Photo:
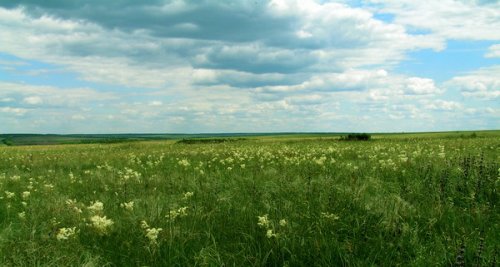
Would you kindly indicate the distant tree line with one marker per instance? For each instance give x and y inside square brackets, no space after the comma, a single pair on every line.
[356,137]
[7,142]
[209,140]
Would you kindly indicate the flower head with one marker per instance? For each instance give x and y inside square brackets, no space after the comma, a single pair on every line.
[26,194]
[152,235]
[263,221]
[188,195]
[101,224]
[9,194]
[96,207]
[128,205]
[270,234]
[65,233]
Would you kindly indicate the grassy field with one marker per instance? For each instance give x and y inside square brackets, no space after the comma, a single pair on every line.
[60,139]
[309,200]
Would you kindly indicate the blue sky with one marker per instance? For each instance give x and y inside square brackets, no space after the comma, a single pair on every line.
[182,66]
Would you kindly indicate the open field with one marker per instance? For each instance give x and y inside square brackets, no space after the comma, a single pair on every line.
[305,200]
[61,139]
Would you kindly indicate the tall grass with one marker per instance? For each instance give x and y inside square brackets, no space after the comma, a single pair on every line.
[381,203]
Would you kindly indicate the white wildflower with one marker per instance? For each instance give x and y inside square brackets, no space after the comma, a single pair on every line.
[101,224]
[152,235]
[329,216]
[270,233]
[180,212]
[128,205]
[96,207]
[144,225]
[71,202]
[184,162]
[25,194]
[320,161]
[9,194]
[48,186]
[65,233]
[188,195]
[263,221]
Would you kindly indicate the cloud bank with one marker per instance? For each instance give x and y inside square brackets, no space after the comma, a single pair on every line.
[241,66]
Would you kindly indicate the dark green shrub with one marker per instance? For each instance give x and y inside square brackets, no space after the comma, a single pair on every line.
[7,142]
[356,137]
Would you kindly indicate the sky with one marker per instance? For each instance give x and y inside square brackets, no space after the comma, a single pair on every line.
[213,66]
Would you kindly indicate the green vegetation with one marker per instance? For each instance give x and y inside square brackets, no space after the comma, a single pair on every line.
[6,142]
[304,200]
[356,137]
[208,140]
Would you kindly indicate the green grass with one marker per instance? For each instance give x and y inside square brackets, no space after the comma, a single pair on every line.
[395,200]
[55,139]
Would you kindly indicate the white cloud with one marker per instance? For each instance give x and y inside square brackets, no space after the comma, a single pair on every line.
[78,117]
[379,83]
[33,100]
[155,103]
[453,19]
[493,51]
[53,96]
[442,105]
[7,99]
[483,83]
[421,86]
[341,37]
[302,61]
[15,111]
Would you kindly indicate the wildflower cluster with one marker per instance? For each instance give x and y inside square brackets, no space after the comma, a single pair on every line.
[177,213]
[128,205]
[73,204]
[329,216]
[129,174]
[188,195]
[268,226]
[101,224]
[151,233]
[96,207]
[66,233]
[9,194]
[184,163]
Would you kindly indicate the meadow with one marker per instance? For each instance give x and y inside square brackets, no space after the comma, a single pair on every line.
[396,200]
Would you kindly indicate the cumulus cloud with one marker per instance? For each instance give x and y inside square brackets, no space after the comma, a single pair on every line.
[33,100]
[15,111]
[50,96]
[483,83]
[78,117]
[251,65]
[442,105]
[6,99]
[454,19]
[420,86]
[155,103]
[148,53]
[378,83]
[493,51]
